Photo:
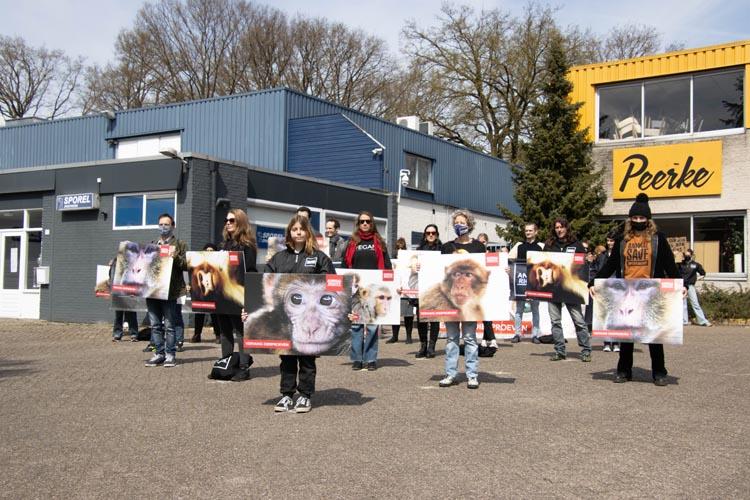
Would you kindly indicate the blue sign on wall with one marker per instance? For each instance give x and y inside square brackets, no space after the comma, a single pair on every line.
[80,201]
[262,233]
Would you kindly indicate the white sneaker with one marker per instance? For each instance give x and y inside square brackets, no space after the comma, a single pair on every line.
[156,360]
[169,361]
[483,343]
[447,381]
[473,383]
[302,405]
[493,343]
[284,404]
[617,348]
[607,348]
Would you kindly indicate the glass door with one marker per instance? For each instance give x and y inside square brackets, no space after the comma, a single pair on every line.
[12,259]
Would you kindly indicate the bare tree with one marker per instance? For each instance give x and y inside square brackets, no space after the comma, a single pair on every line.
[36,82]
[628,41]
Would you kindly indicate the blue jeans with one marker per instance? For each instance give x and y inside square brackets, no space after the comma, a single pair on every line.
[132,319]
[582,331]
[364,347]
[520,304]
[471,351]
[158,311]
[179,323]
[692,296]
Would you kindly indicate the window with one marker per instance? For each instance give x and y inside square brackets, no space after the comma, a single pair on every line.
[136,211]
[11,219]
[420,172]
[149,145]
[686,104]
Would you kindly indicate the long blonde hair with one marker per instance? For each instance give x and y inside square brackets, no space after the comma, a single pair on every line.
[629,233]
[243,234]
[311,243]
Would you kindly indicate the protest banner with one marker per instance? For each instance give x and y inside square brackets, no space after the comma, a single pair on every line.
[648,311]
[216,281]
[464,287]
[519,279]
[557,277]
[305,314]
[375,299]
[141,272]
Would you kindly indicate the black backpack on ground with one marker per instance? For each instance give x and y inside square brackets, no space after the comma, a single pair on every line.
[226,368]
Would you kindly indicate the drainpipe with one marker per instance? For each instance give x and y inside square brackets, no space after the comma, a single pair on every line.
[214,180]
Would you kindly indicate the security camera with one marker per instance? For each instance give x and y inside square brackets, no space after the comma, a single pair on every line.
[377,151]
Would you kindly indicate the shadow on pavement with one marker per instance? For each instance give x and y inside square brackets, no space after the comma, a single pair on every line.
[333,397]
[484,378]
[639,375]
[10,368]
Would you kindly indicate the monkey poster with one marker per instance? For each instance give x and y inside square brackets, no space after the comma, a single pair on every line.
[141,271]
[464,287]
[648,311]
[557,277]
[101,289]
[375,298]
[217,281]
[303,314]
[407,271]
[519,279]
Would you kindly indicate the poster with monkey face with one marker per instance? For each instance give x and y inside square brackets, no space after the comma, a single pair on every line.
[648,311]
[141,271]
[303,314]
[557,277]
[217,281]
[464,287]
[407,271]
[102,282]
[375,298]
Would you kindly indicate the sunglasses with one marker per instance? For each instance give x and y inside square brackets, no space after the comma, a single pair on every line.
[384,297]
[364,221]
[230,221]
[430,233]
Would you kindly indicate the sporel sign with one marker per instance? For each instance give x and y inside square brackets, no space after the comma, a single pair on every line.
[80,201]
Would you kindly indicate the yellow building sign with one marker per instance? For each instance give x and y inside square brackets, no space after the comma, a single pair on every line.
[691,169]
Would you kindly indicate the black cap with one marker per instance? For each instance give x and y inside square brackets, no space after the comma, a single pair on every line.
[640,207]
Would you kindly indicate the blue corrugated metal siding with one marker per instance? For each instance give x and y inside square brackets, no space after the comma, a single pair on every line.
[462,177]
[331,147]
[54,142]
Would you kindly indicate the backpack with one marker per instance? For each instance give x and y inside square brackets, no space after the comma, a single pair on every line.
[225,368]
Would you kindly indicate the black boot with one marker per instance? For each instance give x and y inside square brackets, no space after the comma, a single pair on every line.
[409,325]
[394,338]
[431,344]
[408,338]
[422,350]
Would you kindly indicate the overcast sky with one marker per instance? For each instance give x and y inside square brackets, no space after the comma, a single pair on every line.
[89,27]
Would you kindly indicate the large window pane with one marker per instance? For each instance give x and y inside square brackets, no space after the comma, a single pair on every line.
[32,257]
[677,227]
[620,112]
[420,170]
[719,243]
[718,101]
[11,219]
[129,211]
[157,206]
[35,218]
[667,107]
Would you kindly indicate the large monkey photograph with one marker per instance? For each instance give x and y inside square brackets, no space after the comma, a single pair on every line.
[141,271]
[638,310]
[298,313]
[375,298]
[217,281]
[464,287]
[407,271]
[557,277]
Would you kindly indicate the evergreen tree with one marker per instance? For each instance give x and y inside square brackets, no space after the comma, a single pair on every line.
[558,178]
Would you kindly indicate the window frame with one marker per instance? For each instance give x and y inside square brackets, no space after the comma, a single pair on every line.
[144,196]
[691,118]
[430,183]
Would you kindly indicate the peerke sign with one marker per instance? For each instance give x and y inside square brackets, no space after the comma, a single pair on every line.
[80,201]
[692,169]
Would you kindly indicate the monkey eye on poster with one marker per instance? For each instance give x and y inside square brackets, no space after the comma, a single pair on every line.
[407,271]
[303,314]
[557,277]
[216,281]
[464,287]
[375,299]
[648,311]
[141,271]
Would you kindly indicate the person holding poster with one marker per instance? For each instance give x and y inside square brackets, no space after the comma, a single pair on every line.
[430,243]
[642,252]
[162,313]
[200,318]
[489,331]
[366,250]
[562,239]
[301,256]
[238,237]
[407,306]
[463,225]
[600,260]
[121,316]
[518,253]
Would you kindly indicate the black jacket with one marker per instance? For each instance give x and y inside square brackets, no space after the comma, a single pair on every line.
[288,261]
[663,266]
[690,271]
[473,246]
[524,247]
[250,254]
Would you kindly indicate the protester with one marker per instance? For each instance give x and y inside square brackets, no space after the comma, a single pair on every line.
[305,212]
[642,252]
[366,250]
[336,242]
[489,332]
[430,243]
[407,307]
[562,239]
[238,237]
[463,224]
[690,269]
[600,260]
[161,313]
[200,318]
[518,254]
[301,256]
[130,316]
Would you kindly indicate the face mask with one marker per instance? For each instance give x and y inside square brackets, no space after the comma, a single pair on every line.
[687,258]
[460,229]
[639,226]
[165,231]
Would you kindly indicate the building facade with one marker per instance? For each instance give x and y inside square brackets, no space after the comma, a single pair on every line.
[675,126]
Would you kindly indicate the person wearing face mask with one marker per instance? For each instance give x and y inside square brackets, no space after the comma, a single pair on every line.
[563,239]
[642,252]
[162,313]
[430,243]
[690,269]
[463,224]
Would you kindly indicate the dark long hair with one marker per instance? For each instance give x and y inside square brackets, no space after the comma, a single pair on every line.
[570,236]
[424,236]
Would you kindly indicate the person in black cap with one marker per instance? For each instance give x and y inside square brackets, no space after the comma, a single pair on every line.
[641,252]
